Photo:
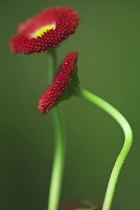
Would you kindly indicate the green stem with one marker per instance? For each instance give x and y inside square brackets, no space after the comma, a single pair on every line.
[52,62]
[126,146]
[59,158]
[59,153]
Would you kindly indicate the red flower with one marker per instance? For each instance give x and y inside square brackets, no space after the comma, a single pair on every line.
[60,85]
[46,30]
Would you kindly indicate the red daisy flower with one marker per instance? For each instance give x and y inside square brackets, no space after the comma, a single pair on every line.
[48,29]
[60,84]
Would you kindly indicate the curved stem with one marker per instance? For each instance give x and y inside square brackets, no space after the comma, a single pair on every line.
[59,153]
[126,146]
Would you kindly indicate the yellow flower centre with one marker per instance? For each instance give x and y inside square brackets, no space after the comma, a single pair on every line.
[40,32]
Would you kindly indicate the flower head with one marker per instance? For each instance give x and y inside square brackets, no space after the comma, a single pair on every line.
[60,85]
[47,29]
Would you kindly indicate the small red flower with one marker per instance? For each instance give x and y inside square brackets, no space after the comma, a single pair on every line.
[47,29]
[60,84]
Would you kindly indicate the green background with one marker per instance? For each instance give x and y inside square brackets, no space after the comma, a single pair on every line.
[108,42]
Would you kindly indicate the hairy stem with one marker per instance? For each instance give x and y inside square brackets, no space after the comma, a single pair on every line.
[126,146]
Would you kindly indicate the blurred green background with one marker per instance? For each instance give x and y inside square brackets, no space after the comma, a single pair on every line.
[108,42]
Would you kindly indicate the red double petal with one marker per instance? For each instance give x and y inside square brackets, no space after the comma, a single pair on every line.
[61,83]
[64,21]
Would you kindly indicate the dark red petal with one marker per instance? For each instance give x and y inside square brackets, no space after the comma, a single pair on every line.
[66,20]
[61,83]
